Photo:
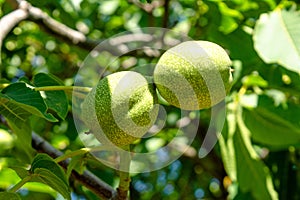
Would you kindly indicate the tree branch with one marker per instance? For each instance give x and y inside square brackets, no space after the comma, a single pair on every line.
[54,27]
[9,21]
[166,13]
[88,179]
[116,45]
[59,29]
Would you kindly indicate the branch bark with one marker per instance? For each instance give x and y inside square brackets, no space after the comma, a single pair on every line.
[9,21]
[116,45]
[166,14]
[59,30]
[88,179]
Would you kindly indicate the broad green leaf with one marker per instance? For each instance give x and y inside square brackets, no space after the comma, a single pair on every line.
[22,173]
[47,177]
[277,38]
[23,149]
[46,162]
[17,97]
[275,126]
[271,130]
[9,196]
[252,174]
[55,100]
[243,196]
[10,109]
[50,173]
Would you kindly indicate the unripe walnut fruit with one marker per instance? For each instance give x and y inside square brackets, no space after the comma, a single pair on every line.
[121,108]
[193,75]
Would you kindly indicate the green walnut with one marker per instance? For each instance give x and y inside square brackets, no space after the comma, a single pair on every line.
[193,75]
[121,108]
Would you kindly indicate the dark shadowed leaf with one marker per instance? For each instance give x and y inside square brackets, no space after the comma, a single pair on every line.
[22,173]
[9,196]
[46,162]
[275,126]
[50,173]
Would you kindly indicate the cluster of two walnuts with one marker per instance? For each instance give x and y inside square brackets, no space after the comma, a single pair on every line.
[123,106]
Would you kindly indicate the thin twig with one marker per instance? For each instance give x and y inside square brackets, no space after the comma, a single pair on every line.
[166,14]
[9,21]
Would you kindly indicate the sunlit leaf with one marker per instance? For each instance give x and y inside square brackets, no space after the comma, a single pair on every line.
[228,23]
[17,97]
[277,38]
[254,80]
[108,7]
[55,100]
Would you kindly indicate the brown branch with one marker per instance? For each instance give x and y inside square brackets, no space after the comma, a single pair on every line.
[88,179]
[116,45]
[166,14]
[9,21]
[54,27]
[59,29]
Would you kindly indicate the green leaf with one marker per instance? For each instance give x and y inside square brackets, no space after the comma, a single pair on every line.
[9,196]
[46,162]
[55,100]
[13,112]
[252,174]
[277,127]
[22,173]
[17,97]
[47,177]
[276,38]
[109,7]
[254,80]
[241,160]
[77,163]
[23,149]
[50,173]
[228,23]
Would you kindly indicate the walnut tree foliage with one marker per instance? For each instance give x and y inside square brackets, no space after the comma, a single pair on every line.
[43,43]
